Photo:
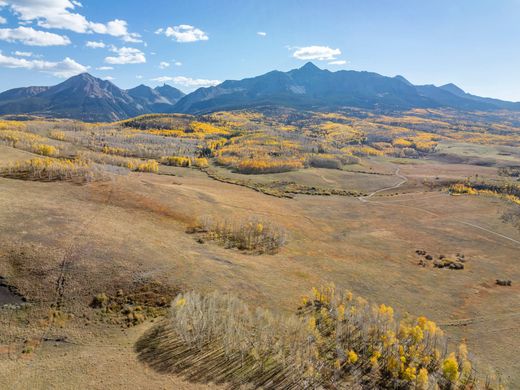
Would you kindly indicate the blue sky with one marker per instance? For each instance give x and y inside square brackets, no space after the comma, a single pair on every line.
[472,43]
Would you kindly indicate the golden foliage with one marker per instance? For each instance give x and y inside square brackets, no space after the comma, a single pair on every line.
[50,169]
[334,341]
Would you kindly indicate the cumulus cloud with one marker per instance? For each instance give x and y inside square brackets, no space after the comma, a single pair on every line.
[261,33]
[66,68]
[338,62]
[322,53]
[164,65]
[184,33]
[3,20]
[187,82]
[126,55]
[105,68]
[60,14]
[95,45]
[31,37]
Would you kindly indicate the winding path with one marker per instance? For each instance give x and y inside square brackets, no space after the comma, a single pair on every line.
[404,180]
[365,199]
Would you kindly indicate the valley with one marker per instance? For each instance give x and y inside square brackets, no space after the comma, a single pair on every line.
[111,221]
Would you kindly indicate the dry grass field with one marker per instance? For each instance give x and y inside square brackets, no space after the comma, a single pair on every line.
[99,261]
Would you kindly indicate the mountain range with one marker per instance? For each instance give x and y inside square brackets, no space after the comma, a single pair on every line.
[88,98]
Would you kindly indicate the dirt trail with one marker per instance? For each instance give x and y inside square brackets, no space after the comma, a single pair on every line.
[365,199]
[404,179]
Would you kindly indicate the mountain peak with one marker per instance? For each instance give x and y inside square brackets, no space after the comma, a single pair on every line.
[309,67]
[453,89]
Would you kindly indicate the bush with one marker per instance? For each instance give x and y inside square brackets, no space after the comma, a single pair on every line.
[329,162]
[151,166]
[333,341]
[45,150]
[176,161]
[256,166]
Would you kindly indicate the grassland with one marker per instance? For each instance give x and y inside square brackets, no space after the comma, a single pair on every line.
[122,236]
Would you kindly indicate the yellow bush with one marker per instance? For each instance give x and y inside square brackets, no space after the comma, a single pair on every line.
[450,368]
[45,150]
[201,162]
[151,166]
[176,161]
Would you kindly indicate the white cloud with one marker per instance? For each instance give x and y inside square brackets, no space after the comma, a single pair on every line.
[261,33]
[95,45]
[126,55]
[105,68]
[139,77]
[338,62]
[116,28]
[321,53]
[109,78]
[66,68]
[32,37]
[23,53]
[178,63]
[184,33]
[59,14]
[164,65]
[3,20]
[187,82]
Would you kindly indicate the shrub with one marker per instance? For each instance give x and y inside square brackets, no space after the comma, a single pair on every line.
[151,166]
[255,166]
[45,150]
[201,162]
[176,161]
[333,341]
[253,234]
[329,162]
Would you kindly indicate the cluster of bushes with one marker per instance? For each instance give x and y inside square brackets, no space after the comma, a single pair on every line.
[259,165]
[509,171]
[324,161]
[29,142]
[184,161]
[134,164]
[50,169]
[333,341]
[253,234]
[510,192]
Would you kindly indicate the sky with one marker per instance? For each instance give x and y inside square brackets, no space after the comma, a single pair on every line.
[188,44]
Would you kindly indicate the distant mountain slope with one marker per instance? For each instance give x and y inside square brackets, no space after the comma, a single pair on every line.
[157,100]
[312,88]
[87,98]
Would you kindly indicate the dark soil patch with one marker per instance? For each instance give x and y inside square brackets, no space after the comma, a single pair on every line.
[9,295]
